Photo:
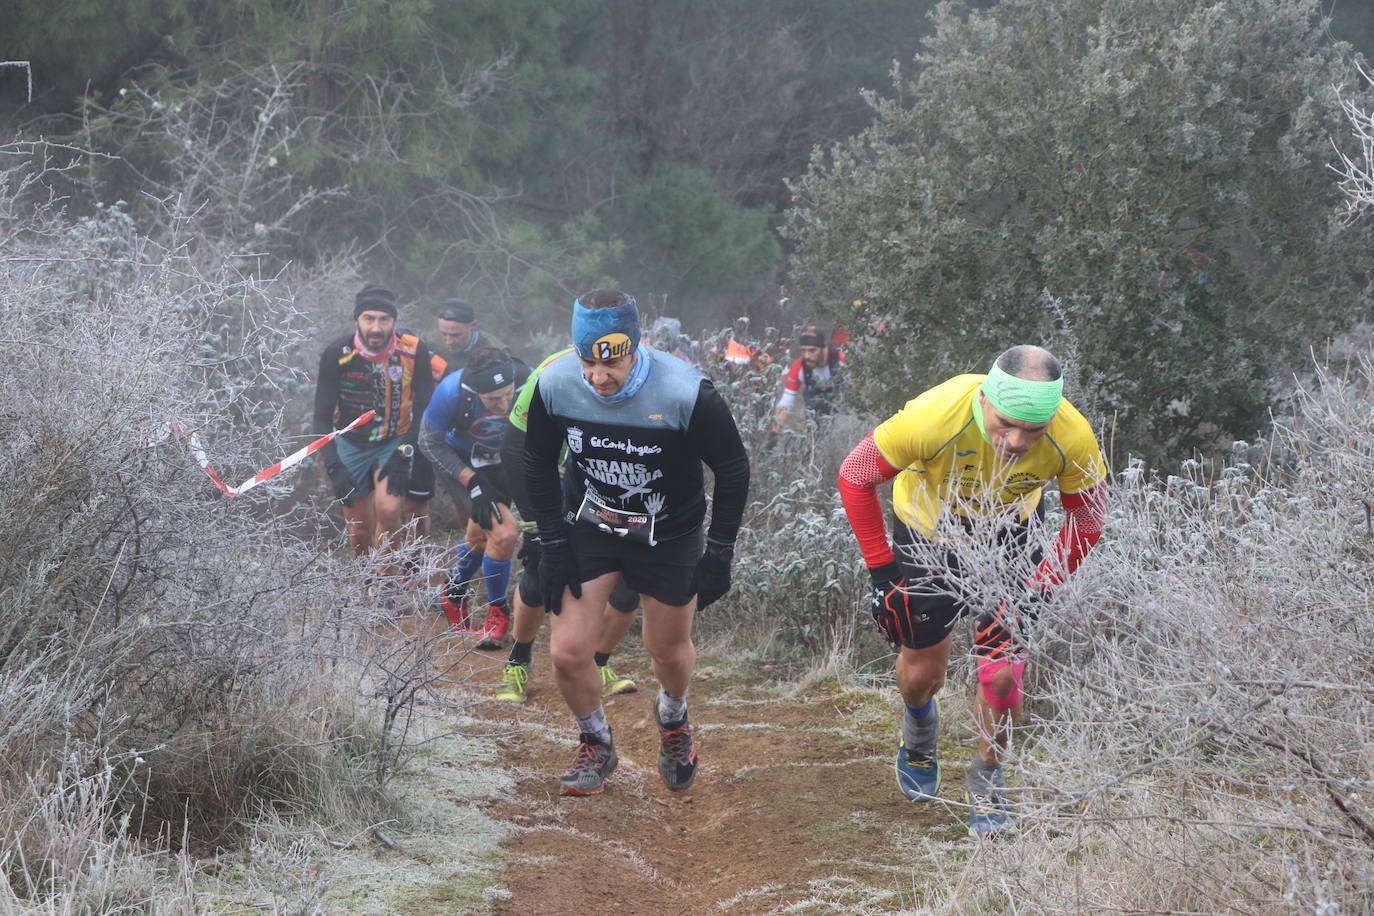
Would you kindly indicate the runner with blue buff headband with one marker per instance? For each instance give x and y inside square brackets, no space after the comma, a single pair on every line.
[639,427]
[609,335]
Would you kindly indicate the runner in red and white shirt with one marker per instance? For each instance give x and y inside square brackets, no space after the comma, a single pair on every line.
[818,374]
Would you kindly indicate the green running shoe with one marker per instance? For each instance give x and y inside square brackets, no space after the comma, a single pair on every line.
[613,685]
[513,681]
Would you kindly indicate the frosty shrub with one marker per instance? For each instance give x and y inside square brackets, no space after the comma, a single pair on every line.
[799,583]
[161,647]
[1200,736]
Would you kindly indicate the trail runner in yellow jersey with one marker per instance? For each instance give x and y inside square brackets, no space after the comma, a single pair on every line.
[971,458]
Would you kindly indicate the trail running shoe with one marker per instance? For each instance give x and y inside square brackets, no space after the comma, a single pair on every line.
[677,752]
[989,815]
[513,681]
[495,628]
[918,773]
[986,795]
[457,612]
[612,684]
[592,764]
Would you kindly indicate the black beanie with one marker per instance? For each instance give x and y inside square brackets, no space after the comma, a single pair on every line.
[374,299]
[459,310]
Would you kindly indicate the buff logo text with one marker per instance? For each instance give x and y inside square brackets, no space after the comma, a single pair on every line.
[612,346]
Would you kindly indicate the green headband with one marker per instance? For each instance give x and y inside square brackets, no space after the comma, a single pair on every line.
[1022,399]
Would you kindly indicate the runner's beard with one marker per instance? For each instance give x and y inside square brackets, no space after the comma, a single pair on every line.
[376,340]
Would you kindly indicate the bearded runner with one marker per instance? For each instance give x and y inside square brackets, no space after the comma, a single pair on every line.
[381,368]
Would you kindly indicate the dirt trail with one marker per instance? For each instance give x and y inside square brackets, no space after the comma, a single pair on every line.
[794,806]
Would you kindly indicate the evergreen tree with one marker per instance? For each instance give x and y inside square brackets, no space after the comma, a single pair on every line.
[1141,185]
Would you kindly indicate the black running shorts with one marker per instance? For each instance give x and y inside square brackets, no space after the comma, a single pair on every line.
[940,590]
[529,589]
[456,492]
[623,598]
[421,488]
[663,572]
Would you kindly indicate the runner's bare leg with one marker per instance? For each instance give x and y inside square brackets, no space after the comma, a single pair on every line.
[668,640]
[573,637]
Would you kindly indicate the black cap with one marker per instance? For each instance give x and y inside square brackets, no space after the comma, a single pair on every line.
[374,299]
[457,310]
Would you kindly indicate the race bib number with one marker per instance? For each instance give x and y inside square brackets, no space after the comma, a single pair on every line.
[484,456]
[633,526]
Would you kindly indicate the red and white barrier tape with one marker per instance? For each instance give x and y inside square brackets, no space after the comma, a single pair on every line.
[268,473]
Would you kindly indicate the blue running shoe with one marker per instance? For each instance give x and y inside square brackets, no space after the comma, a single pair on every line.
[918,774]
[989,815]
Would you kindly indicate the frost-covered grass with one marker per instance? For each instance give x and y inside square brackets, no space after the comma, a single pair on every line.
[177,669]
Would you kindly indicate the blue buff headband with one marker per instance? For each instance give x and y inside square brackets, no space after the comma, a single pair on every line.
[605,333]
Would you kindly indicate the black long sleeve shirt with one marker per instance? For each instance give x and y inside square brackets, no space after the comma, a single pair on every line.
[637,459]
[348,386]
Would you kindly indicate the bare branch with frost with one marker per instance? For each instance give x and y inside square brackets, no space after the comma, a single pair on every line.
[1357,172]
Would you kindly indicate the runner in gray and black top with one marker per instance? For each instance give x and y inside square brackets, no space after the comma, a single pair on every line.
[638,424]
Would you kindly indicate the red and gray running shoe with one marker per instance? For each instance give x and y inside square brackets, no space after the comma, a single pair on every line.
[677,752]
[456,611]
[495,628]
[592,764]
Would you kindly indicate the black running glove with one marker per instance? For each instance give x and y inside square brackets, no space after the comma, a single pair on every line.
[485,496]
[397,470]
[891,610]
[557,571]
[341,481]
[528,555]
[711,579]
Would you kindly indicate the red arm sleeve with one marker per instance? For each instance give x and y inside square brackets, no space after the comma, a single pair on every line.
[1085,514]
[860,475]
